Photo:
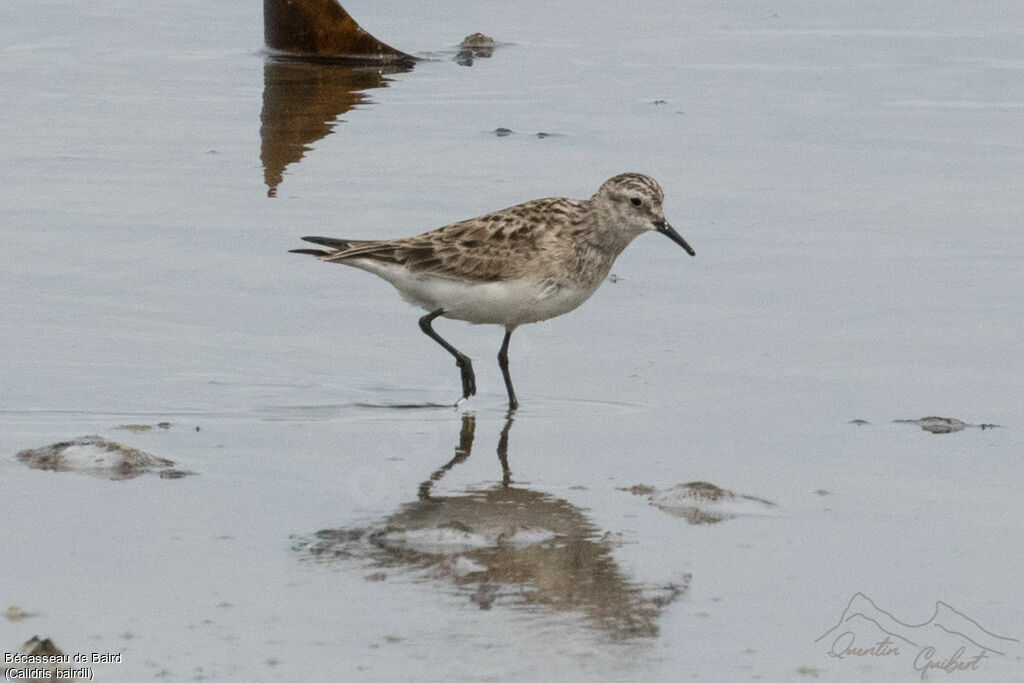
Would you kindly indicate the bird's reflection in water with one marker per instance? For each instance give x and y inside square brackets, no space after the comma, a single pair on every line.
[504,545]
[302,100]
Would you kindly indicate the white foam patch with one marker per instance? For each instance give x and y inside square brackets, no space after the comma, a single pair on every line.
[528,536]
[91,457]
[439,541]
[709,503]
[463,566]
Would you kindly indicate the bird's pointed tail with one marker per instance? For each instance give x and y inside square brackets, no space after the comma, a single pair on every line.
[335,245]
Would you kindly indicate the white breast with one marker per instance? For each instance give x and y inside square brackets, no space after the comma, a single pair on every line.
[512,302]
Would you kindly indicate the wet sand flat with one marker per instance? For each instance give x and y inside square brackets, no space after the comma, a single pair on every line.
[849,180]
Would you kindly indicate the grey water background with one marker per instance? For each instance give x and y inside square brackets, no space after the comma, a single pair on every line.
[848,174]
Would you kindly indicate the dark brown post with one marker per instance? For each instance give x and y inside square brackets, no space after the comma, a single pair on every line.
[321,29]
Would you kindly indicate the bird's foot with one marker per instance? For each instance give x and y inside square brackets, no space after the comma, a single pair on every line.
[468,378]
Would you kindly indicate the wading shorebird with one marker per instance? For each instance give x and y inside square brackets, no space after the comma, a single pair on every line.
[523,264]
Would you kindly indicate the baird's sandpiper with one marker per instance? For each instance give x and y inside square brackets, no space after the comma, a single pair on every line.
[523,264]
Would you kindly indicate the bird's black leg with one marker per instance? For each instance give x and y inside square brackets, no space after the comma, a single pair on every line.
[503,364]
[461,359]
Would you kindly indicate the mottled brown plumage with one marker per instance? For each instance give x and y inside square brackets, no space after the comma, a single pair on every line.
[478,249]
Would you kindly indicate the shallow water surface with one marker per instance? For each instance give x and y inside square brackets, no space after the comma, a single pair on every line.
[850,180]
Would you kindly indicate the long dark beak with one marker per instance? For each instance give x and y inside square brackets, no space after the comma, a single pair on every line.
[668,231]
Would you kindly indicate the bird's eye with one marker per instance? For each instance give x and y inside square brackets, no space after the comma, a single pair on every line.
[635,201]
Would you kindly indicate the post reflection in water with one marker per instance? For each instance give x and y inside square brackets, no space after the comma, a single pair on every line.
[504,545]
[302,100]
